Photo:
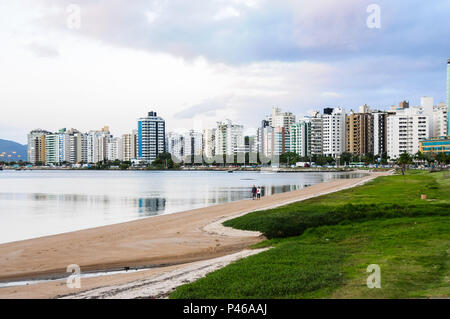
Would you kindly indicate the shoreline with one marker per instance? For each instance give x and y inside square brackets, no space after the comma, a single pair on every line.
[162,242]
[204,169]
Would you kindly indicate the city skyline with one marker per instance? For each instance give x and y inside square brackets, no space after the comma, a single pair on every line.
[292,60]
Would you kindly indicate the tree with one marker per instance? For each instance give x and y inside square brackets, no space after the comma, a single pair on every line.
[404,160]
[164,161]
[384,159]
[441,158]
[289,158]
[346,158]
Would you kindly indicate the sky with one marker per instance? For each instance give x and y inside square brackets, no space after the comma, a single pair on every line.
[90,63]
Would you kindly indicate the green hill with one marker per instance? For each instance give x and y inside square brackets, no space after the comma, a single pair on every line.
[12,151]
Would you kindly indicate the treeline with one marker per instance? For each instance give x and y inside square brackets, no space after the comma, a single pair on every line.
[165,161]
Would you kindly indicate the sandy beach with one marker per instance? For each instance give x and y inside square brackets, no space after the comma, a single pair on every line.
[166,243]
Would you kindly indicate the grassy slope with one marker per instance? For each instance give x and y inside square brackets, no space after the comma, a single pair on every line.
[407,237]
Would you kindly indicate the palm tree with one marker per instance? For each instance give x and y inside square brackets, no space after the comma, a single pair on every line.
[404,160]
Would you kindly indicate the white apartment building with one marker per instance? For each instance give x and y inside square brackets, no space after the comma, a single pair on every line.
[281,119]
[175,146]
[437,116]
[151,137]
[114,149]
[267,141]
[209,143]
[334,133]
[229,138]
[440,120]
[52,148]
[96,145]
[316,120]
[300,142]
[64,146]
[405,130]
[193,146]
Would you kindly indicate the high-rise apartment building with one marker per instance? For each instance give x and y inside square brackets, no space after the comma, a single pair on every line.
[359,133]
[151,137]
[229,138]
[280,119]
[175,146]
[301,138]
[64,146]
[96,145]
[273,137]
[209,143]
[129,146]
[405,130]
[78,147]
[316,120]
[379,132]
[52,148]
[36,146]
[261,136]
[193,147]
[334,133]
[448,97]
[440,120]
[114,149]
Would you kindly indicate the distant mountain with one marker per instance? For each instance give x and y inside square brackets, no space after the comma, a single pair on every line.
[12,151]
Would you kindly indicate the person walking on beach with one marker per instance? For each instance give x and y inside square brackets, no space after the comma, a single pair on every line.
[254,192]
[258,192]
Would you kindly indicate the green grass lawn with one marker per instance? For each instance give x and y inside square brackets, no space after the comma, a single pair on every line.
[322,246]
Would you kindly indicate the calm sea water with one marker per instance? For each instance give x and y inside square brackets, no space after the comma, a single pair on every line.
[39,203]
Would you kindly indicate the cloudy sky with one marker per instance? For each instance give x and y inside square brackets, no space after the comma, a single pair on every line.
[87,63]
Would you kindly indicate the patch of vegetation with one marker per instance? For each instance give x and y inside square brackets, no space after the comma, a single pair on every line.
[386,197]
[322,247]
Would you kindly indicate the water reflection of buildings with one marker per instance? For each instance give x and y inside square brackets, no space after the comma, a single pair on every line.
[145,206]
[151,206]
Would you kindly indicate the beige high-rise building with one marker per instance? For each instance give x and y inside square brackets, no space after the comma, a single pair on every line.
[36,146]
[359,133]
[129,146]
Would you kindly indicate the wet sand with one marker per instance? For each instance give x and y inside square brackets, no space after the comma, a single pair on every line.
[167,242]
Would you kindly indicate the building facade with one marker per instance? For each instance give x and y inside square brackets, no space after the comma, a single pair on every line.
[316,120]
[129,146]
[435,146]
[448,97]
[229,138]
[193,147]
[36,146]
[359,133]
[114,149]
[52,148]
[151,137]
[209,143]
[334,133]
[405,130]
[379,133]
[301,138]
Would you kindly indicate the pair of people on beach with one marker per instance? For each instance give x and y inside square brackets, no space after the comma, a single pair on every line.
[256,192]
